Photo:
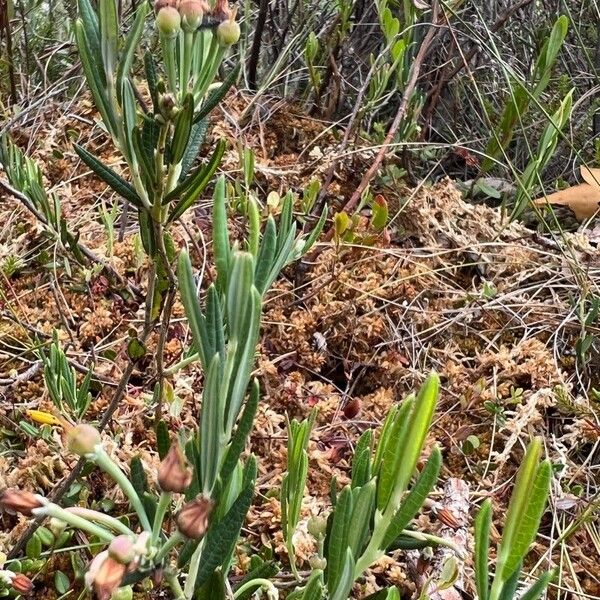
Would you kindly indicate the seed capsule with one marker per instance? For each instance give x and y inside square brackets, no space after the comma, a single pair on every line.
[122,549]
[104,575]
[168,21]
[192,519]
[174,473]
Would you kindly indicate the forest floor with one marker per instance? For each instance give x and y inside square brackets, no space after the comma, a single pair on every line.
[496,308]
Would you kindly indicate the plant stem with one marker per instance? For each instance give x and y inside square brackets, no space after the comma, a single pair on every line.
[53,510]
[182,364]
[101,518]
[104,461]
[190,583]
[263,583]
[175,539]
[161,509]
[175,586]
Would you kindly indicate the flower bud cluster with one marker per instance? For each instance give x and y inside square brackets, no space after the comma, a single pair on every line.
[108,568]
[174,15]
[17,581]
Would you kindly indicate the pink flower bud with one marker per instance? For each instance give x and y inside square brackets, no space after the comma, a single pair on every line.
[83,439]
[174,473]
[18,501]
[104,575]
[192,519]
[168,21]
[21,584]
[122,549]
[192,12]
[164,3]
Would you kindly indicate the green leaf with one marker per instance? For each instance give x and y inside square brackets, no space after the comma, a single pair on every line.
[117,183]
[483,524]
[336,542]
[346,579]
[132,42]
[89,20]
[147,232]
[62,583]
[221,247]
[213,589]
[528,520]
[195,184]
[163,440]
[215,327]
[539,587]
[266,255]
[414,501]
[509,587]
[94,80]
[315,232]
[150,69]
[197,136]
[221,537]
[215,97]
[196,320]
[138,476]
[183,129]
[361,462]
[238,441]
[314,588]
[266,570]
[362,517]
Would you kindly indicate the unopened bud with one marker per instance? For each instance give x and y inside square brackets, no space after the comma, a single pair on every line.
[104,575]
[21,584]
[192,13]
[192,519]
[317,562]
[160,4]
[166,105]
[228,32]
[122,549]
[174,473]
[168,21]
[83,439]
[317,526]
[17,501]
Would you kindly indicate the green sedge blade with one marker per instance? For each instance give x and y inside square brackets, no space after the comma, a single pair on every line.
[483,524]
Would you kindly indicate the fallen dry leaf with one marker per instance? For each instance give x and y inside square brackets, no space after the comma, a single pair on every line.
[591,176]
[582,199]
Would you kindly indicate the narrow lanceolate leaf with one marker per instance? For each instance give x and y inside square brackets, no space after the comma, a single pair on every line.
[147,232]
[214,322]
[337,539]
[116,182]
[412,503]
[346,579]
[191,304]
[93,78]
[221,247]
[315,232]
[314,589]
[142,158]
[508,589]
[197,136]
[483,524]
[529,520]
[92,32]
[362,517]
[131,44]
[238,294]
[150,70]
[518,504]
[199,180]
[109,33]
[222,536]
[539,587]
[217,95]
[361,462]
[211,425]
[420,421]
[183,128]
[266,255]
[238,441]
